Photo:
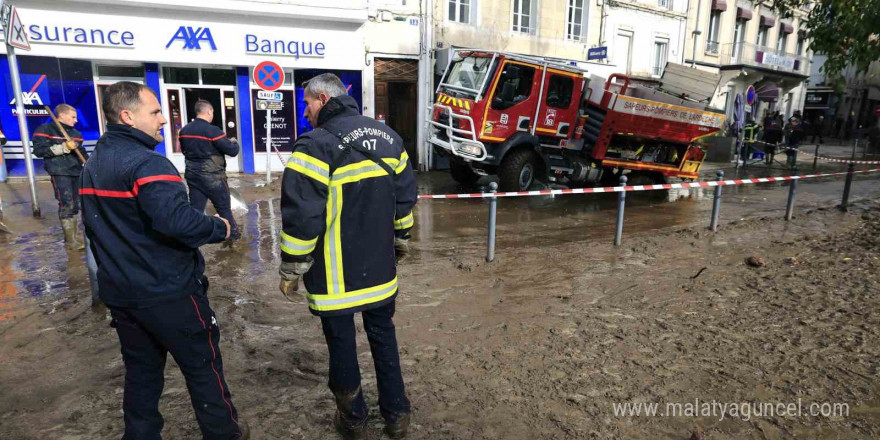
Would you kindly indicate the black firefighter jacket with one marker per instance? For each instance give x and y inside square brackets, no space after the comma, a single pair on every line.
[47,135]
[345,210]
[205,147]
[143,232]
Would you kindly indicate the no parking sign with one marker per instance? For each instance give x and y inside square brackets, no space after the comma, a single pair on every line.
[751,95]
[268,76]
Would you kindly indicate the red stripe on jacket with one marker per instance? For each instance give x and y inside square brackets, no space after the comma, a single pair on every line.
[55,137]
[134,191]
[190,136]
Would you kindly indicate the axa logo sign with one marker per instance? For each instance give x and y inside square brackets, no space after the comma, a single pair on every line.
[192,38]
[29,98]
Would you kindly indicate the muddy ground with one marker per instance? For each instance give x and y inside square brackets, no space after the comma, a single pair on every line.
[538,344]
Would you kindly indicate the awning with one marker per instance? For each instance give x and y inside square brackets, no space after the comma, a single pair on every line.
[787,27]
[742,13]
[767,91]
[767,21]
[719,5]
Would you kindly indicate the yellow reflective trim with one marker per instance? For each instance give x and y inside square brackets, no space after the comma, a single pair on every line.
[332,245]
[405,222]
[357,298]
[340,273]
[309,166]
[295,246]
[467,105]
[404,158]
[316,162]
[361,170]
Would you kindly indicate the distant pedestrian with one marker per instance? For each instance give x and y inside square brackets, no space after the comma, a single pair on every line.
[817,127]
[64,167]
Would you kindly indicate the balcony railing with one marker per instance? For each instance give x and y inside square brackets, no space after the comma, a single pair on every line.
[750,54]
[712,47]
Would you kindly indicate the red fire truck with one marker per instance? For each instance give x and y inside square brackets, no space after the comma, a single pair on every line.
[524,118]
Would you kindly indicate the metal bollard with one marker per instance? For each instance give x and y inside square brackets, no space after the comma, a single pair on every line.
[816,157]
[493,208]
[92,266]
[716,206]
[846,186]
[621,204]
[792,191]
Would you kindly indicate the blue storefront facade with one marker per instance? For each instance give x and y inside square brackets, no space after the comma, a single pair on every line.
[184,56]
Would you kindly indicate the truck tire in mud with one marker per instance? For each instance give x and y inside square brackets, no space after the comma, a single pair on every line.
[462,173]
[518,170]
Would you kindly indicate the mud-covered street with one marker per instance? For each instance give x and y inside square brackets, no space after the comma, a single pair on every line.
[540,344]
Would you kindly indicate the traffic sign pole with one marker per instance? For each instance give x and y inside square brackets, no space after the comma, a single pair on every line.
[268,146]
[11,23]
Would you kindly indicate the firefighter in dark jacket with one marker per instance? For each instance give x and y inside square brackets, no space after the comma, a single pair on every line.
[205,148]
[346,204]
[145,237]
[64,167]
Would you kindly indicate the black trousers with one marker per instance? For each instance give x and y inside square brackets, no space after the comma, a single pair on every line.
[345,373]
[213,187]
[186,328]
[67,194]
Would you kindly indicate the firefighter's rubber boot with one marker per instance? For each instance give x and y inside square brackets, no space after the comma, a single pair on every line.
[349,428]
[71,238]
[397,430]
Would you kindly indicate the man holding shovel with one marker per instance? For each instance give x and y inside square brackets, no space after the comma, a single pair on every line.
[61,147]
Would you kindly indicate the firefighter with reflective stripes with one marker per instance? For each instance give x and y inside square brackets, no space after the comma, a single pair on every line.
[205,148]
[145,237]
[346,203]
[750,135]
[64,168]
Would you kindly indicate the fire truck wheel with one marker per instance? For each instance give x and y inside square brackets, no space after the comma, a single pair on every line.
[462,173]
[518,170]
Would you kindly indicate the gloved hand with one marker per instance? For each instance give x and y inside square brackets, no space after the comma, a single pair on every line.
[290,273]
[70,145]
[59,149]
[401,248]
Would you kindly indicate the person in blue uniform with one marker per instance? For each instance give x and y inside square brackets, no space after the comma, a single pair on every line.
[64,167]
[145,237]
[205,147]
[347,196]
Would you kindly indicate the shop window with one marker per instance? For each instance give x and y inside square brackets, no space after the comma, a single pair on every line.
[514,86]
[121,71]
[218,77]
[559,91]
[181,75]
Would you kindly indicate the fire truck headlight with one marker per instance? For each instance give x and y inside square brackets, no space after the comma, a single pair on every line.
[469,149]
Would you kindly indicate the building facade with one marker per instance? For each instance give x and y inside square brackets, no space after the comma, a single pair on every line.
[185,51]
[388,52]
[749,44]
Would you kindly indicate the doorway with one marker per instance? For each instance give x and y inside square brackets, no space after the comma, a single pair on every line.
[184,86]
[181,109]
[396,100]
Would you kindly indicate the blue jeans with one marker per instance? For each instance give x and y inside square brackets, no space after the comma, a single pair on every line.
[345,374]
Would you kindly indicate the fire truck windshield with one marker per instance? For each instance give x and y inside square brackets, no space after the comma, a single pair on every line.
[467,75]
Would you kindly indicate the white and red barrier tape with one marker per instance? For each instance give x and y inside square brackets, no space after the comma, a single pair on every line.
[613,189]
